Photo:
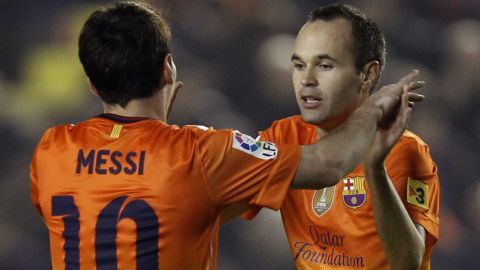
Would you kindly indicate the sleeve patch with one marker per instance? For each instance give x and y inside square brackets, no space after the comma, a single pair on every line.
[258,149]
[417,193]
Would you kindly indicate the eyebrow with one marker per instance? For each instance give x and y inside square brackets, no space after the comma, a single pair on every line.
[319,57]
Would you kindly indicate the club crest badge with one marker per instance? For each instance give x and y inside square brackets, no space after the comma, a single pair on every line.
[323,200]
[354,193]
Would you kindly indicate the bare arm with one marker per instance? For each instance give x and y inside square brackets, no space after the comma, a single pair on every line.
[324,163]
[403,241]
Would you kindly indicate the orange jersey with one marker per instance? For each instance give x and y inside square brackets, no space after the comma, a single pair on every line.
[334,228]
[136,193]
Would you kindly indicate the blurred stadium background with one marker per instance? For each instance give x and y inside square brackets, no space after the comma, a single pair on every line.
[233,56]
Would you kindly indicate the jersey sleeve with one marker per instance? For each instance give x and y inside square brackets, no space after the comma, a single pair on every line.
[266,135]
[252,211]
[415,177]
[34,175]
[33,184]
[241,170]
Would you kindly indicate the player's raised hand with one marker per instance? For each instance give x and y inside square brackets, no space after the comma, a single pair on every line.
[401,108]
[412,96]
[392,127]
[386,136]
[387,99]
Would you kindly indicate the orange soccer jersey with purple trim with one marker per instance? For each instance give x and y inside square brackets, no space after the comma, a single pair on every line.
[334,228]
[136,193]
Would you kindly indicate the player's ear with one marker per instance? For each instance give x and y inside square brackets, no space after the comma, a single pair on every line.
[92,87]
[370,74]
[168,72]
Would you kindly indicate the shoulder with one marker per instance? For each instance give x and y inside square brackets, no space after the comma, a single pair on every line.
[295,121]
[197,131]
[292,129]
[53,139]
[54,132]
[203,136]
[411,153]
[410,143]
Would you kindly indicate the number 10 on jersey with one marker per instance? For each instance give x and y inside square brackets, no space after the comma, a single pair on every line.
[106,232]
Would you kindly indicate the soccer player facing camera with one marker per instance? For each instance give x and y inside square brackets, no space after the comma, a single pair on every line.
[384,213]
[126,190]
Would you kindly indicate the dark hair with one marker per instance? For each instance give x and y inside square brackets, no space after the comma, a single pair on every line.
[122,49]
[369,42]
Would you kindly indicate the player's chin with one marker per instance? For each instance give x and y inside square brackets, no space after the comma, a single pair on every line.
[312,117]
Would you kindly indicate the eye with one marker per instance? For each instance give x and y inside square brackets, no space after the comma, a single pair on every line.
[298,66]
[325,66]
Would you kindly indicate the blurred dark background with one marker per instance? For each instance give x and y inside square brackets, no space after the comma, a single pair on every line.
[234,58]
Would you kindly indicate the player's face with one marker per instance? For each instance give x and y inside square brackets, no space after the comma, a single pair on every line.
[327,84]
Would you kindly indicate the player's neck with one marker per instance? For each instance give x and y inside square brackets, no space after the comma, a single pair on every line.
[329,125]
[324,129]
[146,107]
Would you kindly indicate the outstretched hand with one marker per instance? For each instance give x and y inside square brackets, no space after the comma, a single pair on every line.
[395,116]
[387,99]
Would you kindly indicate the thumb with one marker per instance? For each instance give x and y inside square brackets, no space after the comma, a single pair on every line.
[178,86]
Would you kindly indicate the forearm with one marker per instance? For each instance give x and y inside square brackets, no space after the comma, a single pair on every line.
[403,245]
[337,154]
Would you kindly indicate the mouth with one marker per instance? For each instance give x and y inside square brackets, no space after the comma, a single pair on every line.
[311,102]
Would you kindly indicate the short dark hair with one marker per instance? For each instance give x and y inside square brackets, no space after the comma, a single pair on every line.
[369,42]
[122,49]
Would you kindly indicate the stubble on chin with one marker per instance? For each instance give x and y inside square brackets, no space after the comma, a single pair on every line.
[312,118]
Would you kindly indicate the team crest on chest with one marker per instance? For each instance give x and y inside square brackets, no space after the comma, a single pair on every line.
[354,193]
[323,200]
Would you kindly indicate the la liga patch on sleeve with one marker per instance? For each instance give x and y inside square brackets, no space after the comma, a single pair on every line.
[258,149]
[417,193]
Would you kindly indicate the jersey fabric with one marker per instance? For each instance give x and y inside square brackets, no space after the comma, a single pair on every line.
[136,193]
[334,228]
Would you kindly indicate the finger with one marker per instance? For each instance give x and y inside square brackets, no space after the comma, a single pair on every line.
[409,77]
[179,84]
[404,114]
[410,104]
[399,123]
[414,97]
[404,100]
[416,85]
[408,115]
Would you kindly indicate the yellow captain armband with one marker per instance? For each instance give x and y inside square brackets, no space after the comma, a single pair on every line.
[417,193]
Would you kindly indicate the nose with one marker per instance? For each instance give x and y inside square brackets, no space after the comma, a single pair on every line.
[308,78]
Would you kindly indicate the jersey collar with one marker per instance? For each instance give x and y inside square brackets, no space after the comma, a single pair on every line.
[123,119]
